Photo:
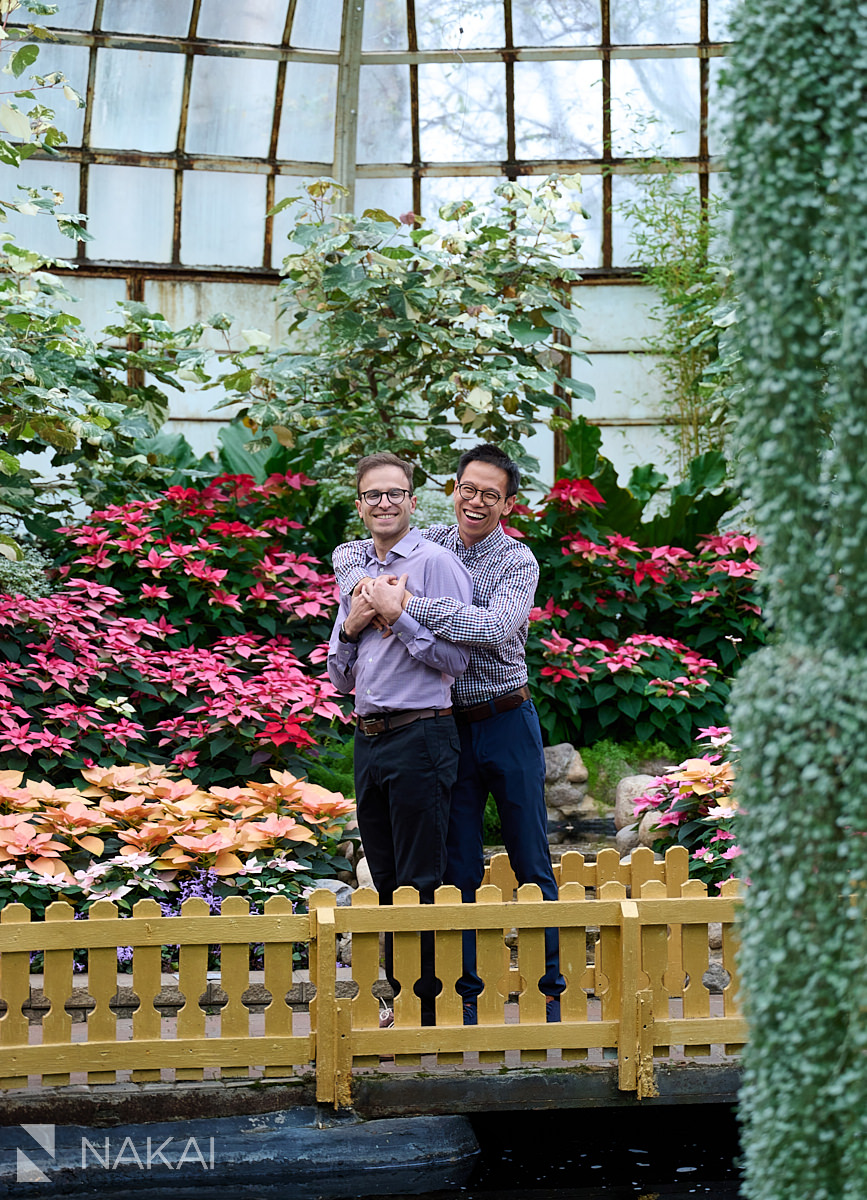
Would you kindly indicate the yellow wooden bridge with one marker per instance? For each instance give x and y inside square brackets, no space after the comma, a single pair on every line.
[635,944]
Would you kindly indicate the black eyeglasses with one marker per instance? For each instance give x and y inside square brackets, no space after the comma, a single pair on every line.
[395,495]
[489,498]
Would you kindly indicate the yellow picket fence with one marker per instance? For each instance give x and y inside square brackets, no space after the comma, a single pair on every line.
[633,954]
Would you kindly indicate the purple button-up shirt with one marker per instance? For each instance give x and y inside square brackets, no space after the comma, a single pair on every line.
[412,669]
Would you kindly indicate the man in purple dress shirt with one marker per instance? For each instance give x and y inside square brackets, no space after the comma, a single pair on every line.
[406,740]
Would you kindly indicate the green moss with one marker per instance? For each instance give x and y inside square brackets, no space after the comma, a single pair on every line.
[607,762]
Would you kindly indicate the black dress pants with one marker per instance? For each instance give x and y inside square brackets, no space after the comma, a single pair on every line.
[404,780]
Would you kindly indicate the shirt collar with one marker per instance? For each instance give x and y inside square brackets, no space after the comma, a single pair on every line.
[496,540]
[402,549]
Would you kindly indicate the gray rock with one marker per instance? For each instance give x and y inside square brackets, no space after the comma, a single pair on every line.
[363,876]
[628,791]
[716,978]
[342,891]
[344,949]
[647,828]
[626,840]
[564,796]
[714,935]
[576,772]
[558,760]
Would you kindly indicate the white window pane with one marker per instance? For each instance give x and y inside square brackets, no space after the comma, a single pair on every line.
[457,24]
[558,109]
[435,193]
[393,196]
[719,19]
[307,120]
[384,25]
[555,23]
[654,107]
[718,109]
[71,14]
[627,189]
[384,126]
[137,100]
[72,62]
[287,186]
[656,22]
[97,300]
[317,25]
[223,219]
[132,16]
[40,232]
[130,214]
[462,111]
[590,231]
[229,21]
[231,106]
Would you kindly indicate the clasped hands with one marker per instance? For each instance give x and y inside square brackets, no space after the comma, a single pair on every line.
[378,602]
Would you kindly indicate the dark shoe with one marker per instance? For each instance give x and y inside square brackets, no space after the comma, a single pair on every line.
[552,1010]
[471,1013]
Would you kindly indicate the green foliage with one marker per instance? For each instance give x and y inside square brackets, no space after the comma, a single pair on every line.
[401,337]
[25,576]
[331,767]
[799,230]
[642,620]
[678,241]
[608,762]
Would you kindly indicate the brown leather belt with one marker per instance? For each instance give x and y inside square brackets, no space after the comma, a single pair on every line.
[372,726]
[490,708]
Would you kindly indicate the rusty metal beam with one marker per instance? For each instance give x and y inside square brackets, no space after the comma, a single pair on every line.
[346,115]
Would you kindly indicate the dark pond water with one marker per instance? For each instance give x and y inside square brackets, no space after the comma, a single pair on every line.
[671,1153]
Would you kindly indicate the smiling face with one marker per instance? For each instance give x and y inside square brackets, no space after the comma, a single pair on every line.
[475,518]
[388,521]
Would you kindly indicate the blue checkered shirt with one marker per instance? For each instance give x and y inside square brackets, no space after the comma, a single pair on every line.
[505,575]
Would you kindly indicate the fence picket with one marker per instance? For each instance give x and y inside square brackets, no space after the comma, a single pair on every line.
[531,964]
[365,1007]
[57,989]
[407,969]
[15,984]
[573,964]
[146,982]
[449,968]
[192,983]
[102,985]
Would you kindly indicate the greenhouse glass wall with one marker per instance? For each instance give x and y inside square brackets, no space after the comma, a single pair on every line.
[201,115]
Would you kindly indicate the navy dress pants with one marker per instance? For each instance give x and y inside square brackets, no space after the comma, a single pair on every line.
[404,780]
[502,755]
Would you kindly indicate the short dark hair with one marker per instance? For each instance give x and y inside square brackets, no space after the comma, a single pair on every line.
[487,452]
[384,458]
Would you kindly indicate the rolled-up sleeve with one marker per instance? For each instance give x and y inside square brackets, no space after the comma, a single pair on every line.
[342,656]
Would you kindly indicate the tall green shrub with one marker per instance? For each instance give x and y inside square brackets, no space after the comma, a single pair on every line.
[798,122]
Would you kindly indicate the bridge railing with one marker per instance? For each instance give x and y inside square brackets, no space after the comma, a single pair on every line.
[634,966]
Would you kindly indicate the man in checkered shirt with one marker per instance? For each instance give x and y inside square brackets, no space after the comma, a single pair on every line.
[501,741]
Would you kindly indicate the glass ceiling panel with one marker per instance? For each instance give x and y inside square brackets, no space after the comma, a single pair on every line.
[317,23]
[229,21]
[436,128]
[558,109]
[655,21]
[462,111]
[655,107]
[459,24]
[131,217]
[385,25]
[307,120]
[385,131]
[40,232]
[223,219]
[556,22]
[231,106]
[137,99]
[719,19]
[71,14]
[133,16]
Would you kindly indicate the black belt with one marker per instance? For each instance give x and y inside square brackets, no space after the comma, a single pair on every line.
[371,726]
[490,708]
